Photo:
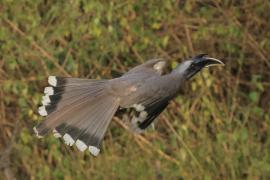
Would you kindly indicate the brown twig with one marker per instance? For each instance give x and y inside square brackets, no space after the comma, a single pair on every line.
[146,142]
[189,40]
[140,58]
[250,39]
[5,154]
[37,47]
[183,143]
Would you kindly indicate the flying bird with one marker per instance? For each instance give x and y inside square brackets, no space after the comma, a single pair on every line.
[80,110]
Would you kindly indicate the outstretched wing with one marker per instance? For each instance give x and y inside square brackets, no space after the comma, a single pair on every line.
[148,114]
[150,99]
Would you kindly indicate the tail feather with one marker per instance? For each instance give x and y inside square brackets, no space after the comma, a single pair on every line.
[79,121]
[79,110]
[62,100]
[98,131]
[66,90]
[57,81]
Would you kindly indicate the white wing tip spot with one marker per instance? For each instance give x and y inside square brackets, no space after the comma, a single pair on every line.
[136,120]
[138,107]
[135,128]
[143,115]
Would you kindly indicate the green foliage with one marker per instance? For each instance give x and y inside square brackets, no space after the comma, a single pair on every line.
[219,127]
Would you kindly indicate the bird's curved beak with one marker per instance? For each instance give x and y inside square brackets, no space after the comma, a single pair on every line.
[199,62]
[205,61]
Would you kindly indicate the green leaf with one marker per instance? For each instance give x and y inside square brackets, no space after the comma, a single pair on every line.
[253,96]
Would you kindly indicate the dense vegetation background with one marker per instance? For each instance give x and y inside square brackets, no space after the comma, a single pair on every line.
[219,128]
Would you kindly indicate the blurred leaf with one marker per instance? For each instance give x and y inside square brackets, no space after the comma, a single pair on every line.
[254,96]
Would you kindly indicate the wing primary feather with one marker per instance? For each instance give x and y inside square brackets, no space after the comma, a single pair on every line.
[152,112]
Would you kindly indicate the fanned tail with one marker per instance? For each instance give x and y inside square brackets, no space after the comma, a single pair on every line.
[79,110]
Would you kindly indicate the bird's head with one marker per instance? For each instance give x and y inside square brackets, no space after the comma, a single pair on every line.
[190,67]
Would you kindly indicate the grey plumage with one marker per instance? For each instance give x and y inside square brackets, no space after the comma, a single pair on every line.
[80,110]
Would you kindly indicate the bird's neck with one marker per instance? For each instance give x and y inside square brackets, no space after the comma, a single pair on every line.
[180,69]
[178,78]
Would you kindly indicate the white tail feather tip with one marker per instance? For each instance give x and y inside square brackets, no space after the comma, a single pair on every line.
[52,80]
[56,134]
[42,111]
[44,103]
[49,91]
[36,132]
[68,139]
[46,100]
[94,150]
[81,145]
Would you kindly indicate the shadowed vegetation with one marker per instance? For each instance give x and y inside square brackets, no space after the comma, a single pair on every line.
[218,129]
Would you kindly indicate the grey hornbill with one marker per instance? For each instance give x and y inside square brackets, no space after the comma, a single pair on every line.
[80,110]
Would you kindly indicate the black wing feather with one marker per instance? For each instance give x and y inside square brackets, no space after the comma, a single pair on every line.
[152,112]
